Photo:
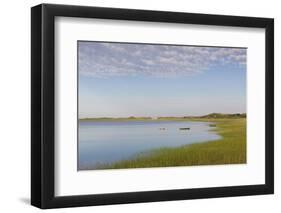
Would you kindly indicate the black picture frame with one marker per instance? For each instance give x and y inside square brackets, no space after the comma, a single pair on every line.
[43,101]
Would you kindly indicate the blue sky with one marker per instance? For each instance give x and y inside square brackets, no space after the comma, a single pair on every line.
[122,79]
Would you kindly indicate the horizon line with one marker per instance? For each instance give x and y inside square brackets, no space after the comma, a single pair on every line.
[156,117]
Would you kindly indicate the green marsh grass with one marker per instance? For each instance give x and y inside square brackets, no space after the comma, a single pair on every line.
[230,149]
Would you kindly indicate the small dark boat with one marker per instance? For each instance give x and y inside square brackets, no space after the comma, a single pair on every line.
[212,125]
[185,128]
[162,128]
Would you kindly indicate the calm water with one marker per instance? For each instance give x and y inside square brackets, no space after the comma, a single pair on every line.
[109,141]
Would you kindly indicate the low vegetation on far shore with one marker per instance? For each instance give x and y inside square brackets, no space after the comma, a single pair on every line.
[132,118]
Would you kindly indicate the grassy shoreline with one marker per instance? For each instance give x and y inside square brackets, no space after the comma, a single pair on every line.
[230,149]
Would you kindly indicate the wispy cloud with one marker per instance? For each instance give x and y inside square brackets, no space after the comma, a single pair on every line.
[122,59]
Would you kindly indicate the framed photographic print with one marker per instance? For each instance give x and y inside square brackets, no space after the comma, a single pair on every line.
[139,106]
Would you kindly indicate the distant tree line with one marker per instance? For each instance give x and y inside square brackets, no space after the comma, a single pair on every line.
[221,115]
[211,115]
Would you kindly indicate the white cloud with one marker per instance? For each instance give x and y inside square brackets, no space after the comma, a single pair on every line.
[122,59]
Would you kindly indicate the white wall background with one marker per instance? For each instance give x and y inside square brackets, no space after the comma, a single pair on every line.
[15,105]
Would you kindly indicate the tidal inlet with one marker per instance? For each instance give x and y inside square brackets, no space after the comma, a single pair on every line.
[160,105]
